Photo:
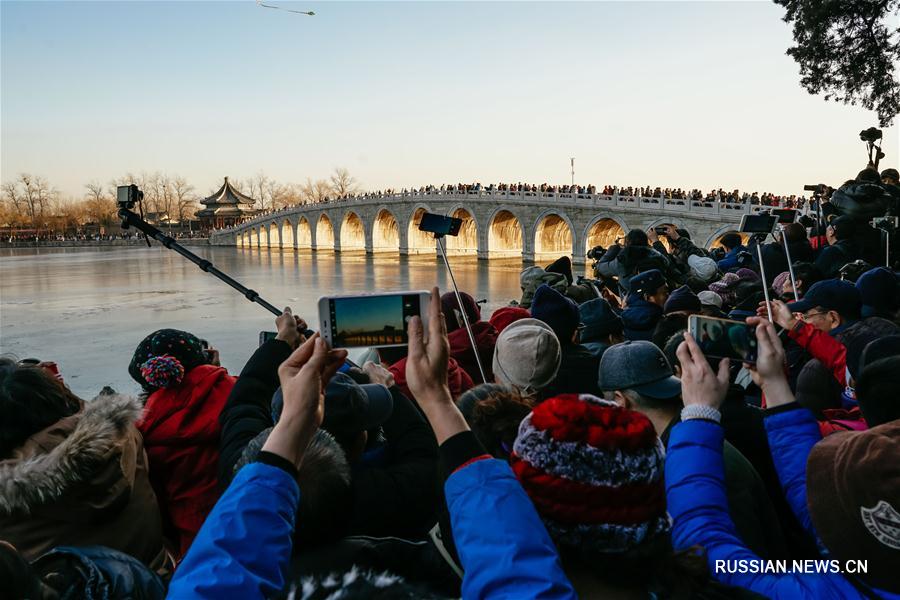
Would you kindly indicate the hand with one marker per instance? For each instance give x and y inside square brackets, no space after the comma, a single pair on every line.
[699,385]
[426,373]
[288,328]
[378,374]
[672,232]
[781,314]
[768,372]
[303,377]
[613,300]
[651,235]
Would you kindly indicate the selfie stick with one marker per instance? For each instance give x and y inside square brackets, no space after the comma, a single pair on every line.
[130,219]
[787,253]
[762,271]
[462,310]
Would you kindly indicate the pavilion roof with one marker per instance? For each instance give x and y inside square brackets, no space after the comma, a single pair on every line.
[228,196]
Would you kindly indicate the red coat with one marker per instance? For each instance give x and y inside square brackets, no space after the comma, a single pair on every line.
[181,430]
[461,349]
[823,347]
[458,380]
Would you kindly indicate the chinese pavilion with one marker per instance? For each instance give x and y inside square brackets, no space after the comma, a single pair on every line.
[225,208]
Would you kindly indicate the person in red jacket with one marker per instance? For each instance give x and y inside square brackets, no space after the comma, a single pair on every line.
[484,333]
[180,425]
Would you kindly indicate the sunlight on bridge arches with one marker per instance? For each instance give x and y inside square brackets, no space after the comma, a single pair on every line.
[552,238]
[353,234]
[324,234]
[603,233]
[418,242]
[505,235]
[263,236]
[304,234]
[254,238]
[287,234]
[385,233]
[274,236]
[239,240]
[467,240]
[717,238]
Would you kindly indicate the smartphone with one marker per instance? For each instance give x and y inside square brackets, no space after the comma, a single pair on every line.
[440,224]
[758,223]
[661,229]
[265,336]
[724,338]
[785,215]
[371,319]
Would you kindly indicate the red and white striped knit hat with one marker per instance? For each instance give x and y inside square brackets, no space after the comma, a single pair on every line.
[594,471]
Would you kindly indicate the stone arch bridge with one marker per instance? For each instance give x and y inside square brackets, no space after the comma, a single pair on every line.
[532,225]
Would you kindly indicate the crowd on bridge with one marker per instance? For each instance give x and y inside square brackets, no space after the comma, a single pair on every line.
[592,439]
[654,195]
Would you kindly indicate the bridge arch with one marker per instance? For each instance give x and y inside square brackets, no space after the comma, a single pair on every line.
[466,243]
[324,233]
[385,232]
[287,234]
[505,236]
[418,242]
[716,237]
[254,238]
[603,231]
[553,235]
[352,232]
[274,235]
[263,236]
[304,234]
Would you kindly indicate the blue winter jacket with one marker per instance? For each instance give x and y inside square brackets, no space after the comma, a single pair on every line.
[695,494]
[731,258]
[244,547]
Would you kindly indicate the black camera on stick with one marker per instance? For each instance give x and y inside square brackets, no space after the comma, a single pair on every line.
[127,196]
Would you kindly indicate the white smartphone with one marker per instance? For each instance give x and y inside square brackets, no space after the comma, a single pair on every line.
[367,320]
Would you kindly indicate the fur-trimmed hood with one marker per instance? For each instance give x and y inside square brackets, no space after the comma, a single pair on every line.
[33,478]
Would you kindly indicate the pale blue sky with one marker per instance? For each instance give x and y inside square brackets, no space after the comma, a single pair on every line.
[409,93]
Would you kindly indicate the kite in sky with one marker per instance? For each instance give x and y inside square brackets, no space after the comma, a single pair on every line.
[299,12]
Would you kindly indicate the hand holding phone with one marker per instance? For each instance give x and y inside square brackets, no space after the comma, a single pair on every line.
[723,338]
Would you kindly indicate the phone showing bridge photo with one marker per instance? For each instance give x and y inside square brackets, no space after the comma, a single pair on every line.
[370,319]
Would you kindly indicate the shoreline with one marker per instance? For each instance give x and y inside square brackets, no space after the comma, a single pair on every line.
[96,243]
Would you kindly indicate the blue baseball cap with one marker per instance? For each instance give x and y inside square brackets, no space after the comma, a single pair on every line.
[831,294]
[639,366]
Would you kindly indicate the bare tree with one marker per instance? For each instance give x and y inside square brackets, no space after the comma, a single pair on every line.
[98,206]
[185,202]
[343,184]
[34,194]
[316,191]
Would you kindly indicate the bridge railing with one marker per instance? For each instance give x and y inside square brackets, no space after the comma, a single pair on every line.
[685,206]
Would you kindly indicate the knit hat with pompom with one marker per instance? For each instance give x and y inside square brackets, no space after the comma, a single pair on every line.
[594,471]
[167,347]
[162,371]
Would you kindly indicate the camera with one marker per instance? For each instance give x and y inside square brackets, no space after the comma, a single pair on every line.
[661,230]
[888,224]
[128,195]
[596,253]
[852,270]
[870,135]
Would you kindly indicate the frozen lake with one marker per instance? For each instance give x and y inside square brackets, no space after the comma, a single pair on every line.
[88,308]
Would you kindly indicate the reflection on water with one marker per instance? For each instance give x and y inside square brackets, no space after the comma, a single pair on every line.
[87,308]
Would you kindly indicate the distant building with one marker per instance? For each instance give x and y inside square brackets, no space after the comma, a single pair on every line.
[225,208]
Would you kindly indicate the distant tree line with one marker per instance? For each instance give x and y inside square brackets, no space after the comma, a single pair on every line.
[32,202]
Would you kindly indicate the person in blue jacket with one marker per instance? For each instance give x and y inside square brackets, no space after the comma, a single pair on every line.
[244,547]
[733,245]
[695,489]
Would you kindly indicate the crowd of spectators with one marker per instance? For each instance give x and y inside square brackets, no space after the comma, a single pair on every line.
[592,439]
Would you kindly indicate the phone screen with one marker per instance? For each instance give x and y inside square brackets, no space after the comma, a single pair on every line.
[372,320]
[758,223]
[724,338]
